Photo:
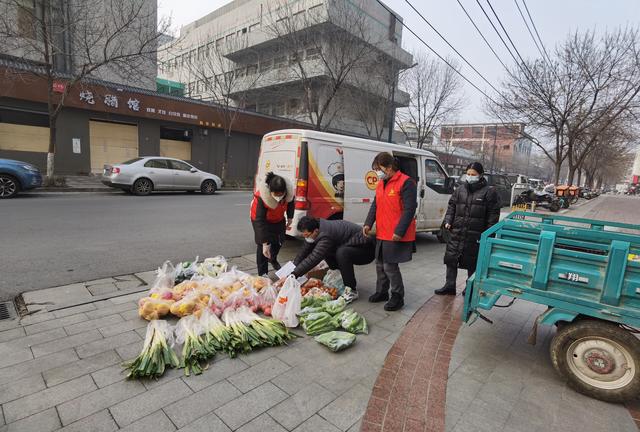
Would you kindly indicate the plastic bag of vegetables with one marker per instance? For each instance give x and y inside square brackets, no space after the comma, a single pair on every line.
[287,303]
[195,353]
[352,322]
[333,279]
[336,340]
[151,308]
[318,323]
[186,270]
[212,267]
[164,281]
[216,335]
[334,307]
[156,354]
[315,300]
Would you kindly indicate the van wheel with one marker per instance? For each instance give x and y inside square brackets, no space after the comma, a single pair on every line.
[444,235]
[142,186]
[599,359]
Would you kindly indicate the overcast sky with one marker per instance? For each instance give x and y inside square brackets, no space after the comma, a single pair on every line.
[555,19]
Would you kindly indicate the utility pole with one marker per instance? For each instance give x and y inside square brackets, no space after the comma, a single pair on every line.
[493,153]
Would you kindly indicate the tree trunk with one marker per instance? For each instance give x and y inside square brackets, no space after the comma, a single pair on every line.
[53,120]
[571,175]
[225,160]
[579,176]
[556,174]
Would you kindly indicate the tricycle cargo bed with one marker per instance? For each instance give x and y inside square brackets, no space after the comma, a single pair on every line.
[578,267]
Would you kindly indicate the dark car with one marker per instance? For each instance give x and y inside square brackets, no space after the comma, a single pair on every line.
[503,187]
[16,176]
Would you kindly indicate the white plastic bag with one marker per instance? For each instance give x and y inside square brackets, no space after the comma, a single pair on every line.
[287,303]
[333,279]
[165,278]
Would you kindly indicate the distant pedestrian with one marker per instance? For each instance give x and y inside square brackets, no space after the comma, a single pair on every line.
[272,211]
[473,207]
[393,211]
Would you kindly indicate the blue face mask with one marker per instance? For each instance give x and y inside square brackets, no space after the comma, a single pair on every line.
[473,179]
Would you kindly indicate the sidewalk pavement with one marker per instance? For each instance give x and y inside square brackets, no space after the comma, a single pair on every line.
[60,369]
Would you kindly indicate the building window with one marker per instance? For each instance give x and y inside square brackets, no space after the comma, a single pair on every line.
[298,18]
[240,72]
[279,62]
[392,28]
[506,147]
[265,65]
[476,132]
[26,19]
[313,53]
[296,57]
[252,69]
[219,43]
[253,27]
[458,132]
[279,109]
[251,108]
[264,108]
[294,106]
[491,131]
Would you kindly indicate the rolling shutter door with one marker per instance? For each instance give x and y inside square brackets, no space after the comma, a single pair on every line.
[16,137]
[175,149]
[111,143]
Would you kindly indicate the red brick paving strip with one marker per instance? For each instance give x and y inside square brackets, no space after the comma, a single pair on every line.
[634,410]
[410,392]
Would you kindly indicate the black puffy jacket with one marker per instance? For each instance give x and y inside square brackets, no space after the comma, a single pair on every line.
[472,209]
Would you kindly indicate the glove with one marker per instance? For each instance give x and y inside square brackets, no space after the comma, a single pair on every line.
[266,250]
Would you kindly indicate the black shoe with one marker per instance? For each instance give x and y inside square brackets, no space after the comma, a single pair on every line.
[445,291]
[378,297]
[395,303]
[276,265]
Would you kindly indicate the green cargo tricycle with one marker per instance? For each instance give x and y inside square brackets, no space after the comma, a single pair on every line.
[587,273]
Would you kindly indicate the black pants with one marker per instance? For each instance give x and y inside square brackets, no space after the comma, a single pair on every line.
[388,277]
[263,262]
[452,276]
[348,256]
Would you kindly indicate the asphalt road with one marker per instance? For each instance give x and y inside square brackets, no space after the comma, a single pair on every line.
[50,239]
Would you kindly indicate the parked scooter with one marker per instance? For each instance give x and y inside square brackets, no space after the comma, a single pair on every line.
[540,197]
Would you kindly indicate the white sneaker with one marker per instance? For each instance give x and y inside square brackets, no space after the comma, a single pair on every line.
[349,295]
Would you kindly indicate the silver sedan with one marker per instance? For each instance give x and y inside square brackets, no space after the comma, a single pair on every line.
[143,175]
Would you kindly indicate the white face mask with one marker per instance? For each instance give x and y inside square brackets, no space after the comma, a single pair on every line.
[381,174]
[309,239]
[277,198]
[473,179]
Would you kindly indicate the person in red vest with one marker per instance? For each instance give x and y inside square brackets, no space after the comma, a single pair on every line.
[394,212]
[272,201]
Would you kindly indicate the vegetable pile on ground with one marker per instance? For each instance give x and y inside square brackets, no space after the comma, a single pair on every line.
[156,354]
[318,287]
[195,352]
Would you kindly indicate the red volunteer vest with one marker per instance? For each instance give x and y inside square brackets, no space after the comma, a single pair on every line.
[273,215]
[389,208]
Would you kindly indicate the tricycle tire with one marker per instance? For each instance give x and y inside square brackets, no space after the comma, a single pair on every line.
[599,359]
[554,206]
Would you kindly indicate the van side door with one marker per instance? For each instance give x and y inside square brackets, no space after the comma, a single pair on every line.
[436,195]
[360,183]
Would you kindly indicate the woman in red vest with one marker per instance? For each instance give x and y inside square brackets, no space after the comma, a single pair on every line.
[394,213]
[272,200]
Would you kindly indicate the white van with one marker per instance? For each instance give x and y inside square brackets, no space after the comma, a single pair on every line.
[334,179]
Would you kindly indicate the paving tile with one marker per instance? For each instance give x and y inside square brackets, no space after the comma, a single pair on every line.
[250,405]
[36,366]
[61,313]
[98,422]
[98,400]
[109,375]
[58,295]
[103,288]
[348,408]
[17,389]
[13,333]
[156,422]
[107,344]
[79,339]
[218,370]
[10,356]
[296,409]
[262,423]
[149,402]
[123,326]
[258,374]
[111,308]
[147,277]
[99,281]
[168,375]
[130,315]
[55,323]
[93,324]
[316,424]
[134,297]
[9,324]
[81,367]
[125,285]
[38,338]
[129,351]
[208,423]
[44,421]
[201,403]
[32,404]
[36,317]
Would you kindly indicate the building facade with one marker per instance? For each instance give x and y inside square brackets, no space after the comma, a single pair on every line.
[501,147]
[285,56]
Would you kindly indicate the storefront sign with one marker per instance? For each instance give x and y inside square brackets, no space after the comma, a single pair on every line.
[58,87]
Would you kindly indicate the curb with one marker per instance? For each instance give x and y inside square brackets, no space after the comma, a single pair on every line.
[111,190]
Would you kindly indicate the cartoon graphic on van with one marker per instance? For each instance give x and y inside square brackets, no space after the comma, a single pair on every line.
[336,172]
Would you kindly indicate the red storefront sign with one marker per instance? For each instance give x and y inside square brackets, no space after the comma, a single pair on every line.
[58,87]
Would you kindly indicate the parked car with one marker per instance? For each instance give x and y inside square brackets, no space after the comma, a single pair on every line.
[502,185]
[143,175]
[16,176]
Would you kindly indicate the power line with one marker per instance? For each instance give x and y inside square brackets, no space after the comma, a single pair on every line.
[438,55]
[508,37]
[451,46]
[526,23]
[483,37]
[497,32]
[536,30]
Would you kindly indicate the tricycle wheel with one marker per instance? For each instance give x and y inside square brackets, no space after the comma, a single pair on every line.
[554,206]
[599,358]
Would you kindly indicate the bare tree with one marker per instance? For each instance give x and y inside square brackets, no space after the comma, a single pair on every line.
[435,92]
[72,40]
[324,47]
[590,83]
[227,84]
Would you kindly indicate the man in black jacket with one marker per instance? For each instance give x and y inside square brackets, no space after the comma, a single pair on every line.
[340,243]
